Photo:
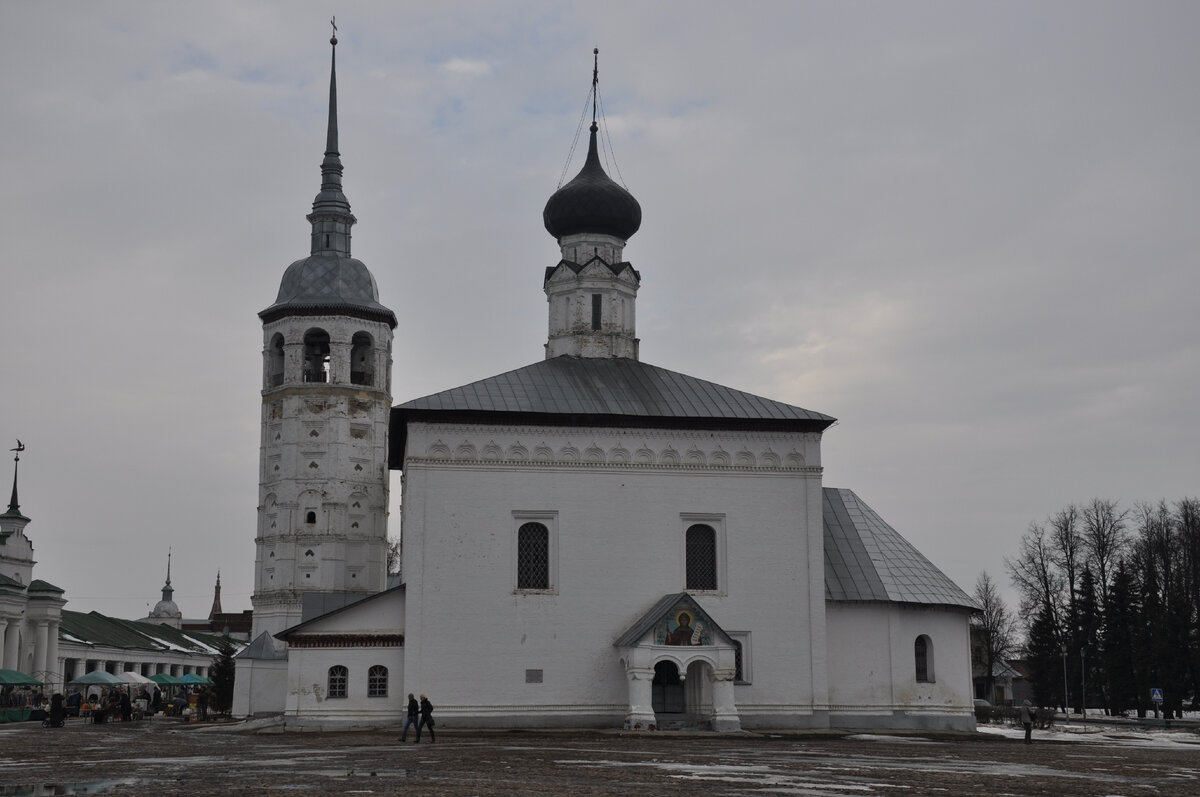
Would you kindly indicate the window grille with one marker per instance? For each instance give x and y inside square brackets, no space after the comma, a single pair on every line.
[533,557]
[338,677]
[377,681]
[739,677]
[701,558]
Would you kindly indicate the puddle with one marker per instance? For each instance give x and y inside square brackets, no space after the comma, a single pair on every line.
[78,787]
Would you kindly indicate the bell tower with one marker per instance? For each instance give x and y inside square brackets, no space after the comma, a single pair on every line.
[326,402]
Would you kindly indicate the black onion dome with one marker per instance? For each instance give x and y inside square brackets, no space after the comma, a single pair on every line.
[592,202]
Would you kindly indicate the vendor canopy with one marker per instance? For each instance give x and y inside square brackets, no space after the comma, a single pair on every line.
[131,677]
[14,678]
[163,679]
[192,678]
[98,678]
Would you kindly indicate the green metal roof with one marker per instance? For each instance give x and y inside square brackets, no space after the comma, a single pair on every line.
[94,628]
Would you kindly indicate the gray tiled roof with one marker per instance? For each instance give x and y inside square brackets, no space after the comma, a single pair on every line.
[328,283]
[868,560]
[613,387]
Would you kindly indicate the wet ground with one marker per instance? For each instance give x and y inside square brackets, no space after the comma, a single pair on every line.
[162,757]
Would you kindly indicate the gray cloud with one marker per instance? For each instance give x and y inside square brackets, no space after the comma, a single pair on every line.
[966,230]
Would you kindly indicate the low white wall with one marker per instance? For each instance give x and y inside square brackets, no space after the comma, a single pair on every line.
[872,663]
[259,687]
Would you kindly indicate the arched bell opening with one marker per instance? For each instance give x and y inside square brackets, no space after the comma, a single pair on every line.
[362,359]
[316,355]
[275,361]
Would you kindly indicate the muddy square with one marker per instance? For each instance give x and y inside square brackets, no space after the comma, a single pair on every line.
[165,758]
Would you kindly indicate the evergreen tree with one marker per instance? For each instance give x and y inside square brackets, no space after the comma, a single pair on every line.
[1118,641]
[1043,651]
[222,673]
[1088,638]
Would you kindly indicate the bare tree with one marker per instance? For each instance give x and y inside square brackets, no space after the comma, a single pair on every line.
[393,555]
[1035,576]
[1105,540]
[1066,543]
[994,627]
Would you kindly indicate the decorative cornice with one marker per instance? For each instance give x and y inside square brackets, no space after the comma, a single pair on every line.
[615,449]
[345,640]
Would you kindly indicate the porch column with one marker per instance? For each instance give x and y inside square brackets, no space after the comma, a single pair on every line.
[3,642]
[40,638]
[641,709]
[52,662]
[12,645]
[725,716]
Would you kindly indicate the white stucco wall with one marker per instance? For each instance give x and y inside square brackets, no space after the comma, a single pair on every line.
[873,667]
[617,503]
[368,634]
[259,686]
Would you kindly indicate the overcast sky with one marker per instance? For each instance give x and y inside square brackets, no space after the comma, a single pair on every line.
[969,231]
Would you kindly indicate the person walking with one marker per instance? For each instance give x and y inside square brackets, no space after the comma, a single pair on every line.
[426,720]
[1027,721]
[414,711]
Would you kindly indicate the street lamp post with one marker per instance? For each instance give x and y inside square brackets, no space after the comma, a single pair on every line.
[1083,680]
[1066,689]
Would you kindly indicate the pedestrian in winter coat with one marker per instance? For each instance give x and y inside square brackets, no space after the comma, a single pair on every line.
[414,711]
[1027,721]
[426,720]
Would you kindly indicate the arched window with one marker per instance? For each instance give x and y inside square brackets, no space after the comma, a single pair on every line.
[310,517]
[377,681]
[701,558]
[316,356]
[338,678]
[275,361]
[362,359]
[533,557]
[923,653]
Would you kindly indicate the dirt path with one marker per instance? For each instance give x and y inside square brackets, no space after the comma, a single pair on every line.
[164,758]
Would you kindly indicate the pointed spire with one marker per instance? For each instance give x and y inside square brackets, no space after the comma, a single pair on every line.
[595,83]
[216,605]
[331,217]
[167,592]
[14,506]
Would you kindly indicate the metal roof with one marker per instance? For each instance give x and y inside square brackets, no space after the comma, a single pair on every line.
[613,389]
[94,628]
[328,283]
[868,560]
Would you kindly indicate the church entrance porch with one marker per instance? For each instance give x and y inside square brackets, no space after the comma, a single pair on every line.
[682,701]
[680,665]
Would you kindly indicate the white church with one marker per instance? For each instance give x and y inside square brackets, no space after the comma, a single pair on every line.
[588,541]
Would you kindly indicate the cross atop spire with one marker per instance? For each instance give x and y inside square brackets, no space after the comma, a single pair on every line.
[331,217]
[14,506]
[166,590]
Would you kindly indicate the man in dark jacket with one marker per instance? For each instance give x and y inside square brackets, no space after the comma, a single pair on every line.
[426,720]
[413,712]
